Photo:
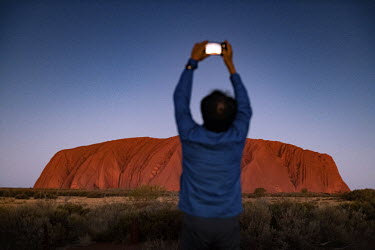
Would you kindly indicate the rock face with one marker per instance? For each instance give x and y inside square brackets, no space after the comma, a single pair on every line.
[129,163]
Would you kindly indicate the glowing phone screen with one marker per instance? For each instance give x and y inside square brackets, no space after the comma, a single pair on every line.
[213,48]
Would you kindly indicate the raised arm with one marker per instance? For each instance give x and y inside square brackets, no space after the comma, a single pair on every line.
[228,58]
[244,111]
[181,98]
[182,93]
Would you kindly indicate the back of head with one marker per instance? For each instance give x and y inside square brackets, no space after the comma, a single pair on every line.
[218,111]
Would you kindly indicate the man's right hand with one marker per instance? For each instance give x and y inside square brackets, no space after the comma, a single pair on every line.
[228,57]
[198,51]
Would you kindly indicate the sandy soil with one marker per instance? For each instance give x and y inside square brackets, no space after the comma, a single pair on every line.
[93,202]
[84,201]
[320,201]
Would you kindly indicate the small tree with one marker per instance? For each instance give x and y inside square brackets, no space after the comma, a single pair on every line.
[304,190]
[260,192]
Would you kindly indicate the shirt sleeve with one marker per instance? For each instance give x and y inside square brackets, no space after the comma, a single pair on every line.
[181,98]
[244,110]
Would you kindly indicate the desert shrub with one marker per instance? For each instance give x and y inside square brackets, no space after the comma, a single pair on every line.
[292,225]
[255,225]
[95,195]
[260,192]
[72,208]
[161,244]
[264,225]
[73,192]
[22,196]
[304,190]
[22,228]
[49,192]
[40,226]
[38,195]
[365,207]
[125,229]
[3,193]
[104,221]
[301,194]
[9,192]
[146,192]
[363,200]
[340,228]
[43,195]
[137,223]
[159,221]
[51,196]
[29,192]
[360,195]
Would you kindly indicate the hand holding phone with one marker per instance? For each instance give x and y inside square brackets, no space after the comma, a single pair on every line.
[198,51]
[204,49]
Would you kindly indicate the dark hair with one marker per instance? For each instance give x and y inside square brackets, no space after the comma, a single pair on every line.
[218,111]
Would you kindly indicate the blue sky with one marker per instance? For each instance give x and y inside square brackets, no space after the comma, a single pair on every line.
[75,73]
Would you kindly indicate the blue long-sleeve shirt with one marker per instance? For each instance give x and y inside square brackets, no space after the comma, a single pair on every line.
[210,184]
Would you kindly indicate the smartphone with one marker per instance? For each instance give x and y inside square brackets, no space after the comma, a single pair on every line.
[213,48]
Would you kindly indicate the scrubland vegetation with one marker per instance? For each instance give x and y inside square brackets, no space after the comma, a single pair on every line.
[151,224]
[144,192]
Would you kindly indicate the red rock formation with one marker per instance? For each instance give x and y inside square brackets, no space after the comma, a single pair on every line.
[129,163]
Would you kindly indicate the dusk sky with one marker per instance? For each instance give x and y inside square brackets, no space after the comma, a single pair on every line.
[75,73]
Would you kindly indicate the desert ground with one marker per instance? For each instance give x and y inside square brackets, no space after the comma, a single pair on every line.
[148,218]
[93,202]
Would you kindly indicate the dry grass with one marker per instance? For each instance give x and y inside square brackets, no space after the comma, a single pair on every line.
[93,202]
[83,201]
[270,222]
[319,201]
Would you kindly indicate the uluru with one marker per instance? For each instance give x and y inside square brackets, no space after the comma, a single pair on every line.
[132,162]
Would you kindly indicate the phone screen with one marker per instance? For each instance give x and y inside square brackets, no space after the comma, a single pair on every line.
[213,48]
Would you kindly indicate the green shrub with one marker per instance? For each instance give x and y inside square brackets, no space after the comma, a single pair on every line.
[365,207]
[135,223]
[304,190]
[146,192]
[95,195]
[363,200]
[260,192]
[291,225]
[39,226]
[159,222]
[39,195]
[12,192]
[43,195]
[103,221]
[72,208]
[22,196]
[264,225]
[255,225]
[22,228]
[360,195]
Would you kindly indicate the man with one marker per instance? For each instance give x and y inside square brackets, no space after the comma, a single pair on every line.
[210,188]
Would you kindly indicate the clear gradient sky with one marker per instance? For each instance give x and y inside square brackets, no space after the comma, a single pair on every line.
[75,73]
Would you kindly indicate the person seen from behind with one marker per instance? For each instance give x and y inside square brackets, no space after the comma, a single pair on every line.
[210,183]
